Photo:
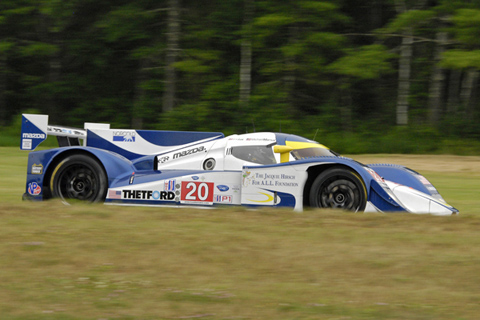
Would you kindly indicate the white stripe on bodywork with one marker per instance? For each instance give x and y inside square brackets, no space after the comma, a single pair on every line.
[418,202]
[39,120]
[142,146]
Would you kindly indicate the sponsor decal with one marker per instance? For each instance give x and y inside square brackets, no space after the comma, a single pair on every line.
[377,177]
[34,189]
[423,180]
[114,194]
[170,185]
[251,139]
[427,184]
[189,152]
[195,178]
[197,192]
[163,159]
[247,177]
[37,169]
[124,136]
[223,199]
[268,179]
[148,195]
[26,144]
[223,188]
[260,139]
[34,135]
[67,131]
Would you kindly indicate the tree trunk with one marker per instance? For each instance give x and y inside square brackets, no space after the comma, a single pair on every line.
[3,87]
[173,40]
[404,70]
[290,77]
[435,101]
[453,91]
[54,70]
[54,74]
[140,94]
[468,93]
[246,56]
[346,107]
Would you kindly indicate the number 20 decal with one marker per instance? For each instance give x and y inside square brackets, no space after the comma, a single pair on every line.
[197,191]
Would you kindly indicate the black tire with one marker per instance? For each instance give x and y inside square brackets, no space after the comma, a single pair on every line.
[79,177]
[338,188]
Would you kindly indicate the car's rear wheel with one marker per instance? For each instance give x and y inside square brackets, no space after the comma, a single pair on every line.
[338,188]
[79,177]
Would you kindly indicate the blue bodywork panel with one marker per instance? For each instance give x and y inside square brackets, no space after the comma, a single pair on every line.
[405,176]
[160,138]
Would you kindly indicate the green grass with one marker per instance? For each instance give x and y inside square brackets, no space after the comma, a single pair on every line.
[103,262]
[13,173]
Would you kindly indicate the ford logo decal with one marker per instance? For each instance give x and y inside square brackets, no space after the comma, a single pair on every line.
[195,178]
[223,188]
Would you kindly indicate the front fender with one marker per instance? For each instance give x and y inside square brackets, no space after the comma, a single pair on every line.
[405,176]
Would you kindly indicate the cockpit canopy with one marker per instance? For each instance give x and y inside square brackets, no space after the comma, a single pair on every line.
[262,148]
[236,151]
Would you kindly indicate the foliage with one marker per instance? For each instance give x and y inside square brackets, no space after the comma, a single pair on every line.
[461,59]
[368,62]
[324,64]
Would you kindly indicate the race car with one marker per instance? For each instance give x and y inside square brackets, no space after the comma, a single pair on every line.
[173,168]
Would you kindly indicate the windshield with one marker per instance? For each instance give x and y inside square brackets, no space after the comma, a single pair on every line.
[255,154]
[312,152]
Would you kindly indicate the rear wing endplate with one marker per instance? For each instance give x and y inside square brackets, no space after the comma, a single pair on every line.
[35,130]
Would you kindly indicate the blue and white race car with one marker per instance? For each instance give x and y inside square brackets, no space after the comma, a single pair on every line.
[155,168]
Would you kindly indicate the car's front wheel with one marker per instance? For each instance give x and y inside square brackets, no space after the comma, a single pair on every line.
[79,177]
[338,188]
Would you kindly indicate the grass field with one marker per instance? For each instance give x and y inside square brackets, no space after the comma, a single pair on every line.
[103,262]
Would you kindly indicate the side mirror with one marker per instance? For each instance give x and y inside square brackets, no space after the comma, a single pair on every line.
[284,152]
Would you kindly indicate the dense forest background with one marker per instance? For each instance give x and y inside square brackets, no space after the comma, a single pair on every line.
[360,76]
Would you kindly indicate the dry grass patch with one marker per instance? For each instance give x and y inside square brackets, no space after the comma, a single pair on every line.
[464,165]
[101,262]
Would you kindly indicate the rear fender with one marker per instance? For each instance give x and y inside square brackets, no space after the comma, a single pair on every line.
[41,165]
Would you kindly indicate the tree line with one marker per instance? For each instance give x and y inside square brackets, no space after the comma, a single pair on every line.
[243,65]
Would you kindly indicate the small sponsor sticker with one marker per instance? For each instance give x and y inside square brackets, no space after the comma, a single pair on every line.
[34,189]
[223,199]
[423,180]
[37,169]
[124,136]
[163,159]
[170,185]
[26,144]
[223,188]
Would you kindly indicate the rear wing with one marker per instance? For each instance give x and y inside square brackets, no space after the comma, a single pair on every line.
[35,130]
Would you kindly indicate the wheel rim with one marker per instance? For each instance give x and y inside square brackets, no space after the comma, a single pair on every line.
[78,182]
[343,194]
